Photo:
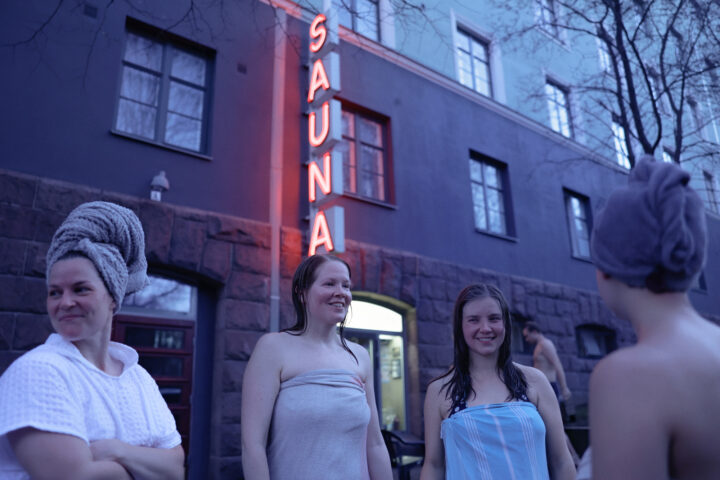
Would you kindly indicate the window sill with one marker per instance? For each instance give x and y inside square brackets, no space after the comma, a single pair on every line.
[371,201]
[161,145]
[497,235]
[583,259]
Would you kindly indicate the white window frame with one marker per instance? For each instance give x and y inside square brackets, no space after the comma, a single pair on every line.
[711,192]
[500,214]
[621,152]
[167,80]
[486,45]
[351,8]
[558,102]
[579,237]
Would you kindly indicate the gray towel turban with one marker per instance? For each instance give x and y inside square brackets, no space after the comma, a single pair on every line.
[652,232]
[112,238]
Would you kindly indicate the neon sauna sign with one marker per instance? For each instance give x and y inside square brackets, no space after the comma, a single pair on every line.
[325,170]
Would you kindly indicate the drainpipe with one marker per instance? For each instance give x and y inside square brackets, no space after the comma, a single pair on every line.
[276,164]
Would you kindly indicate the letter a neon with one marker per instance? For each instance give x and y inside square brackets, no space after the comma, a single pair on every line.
[320,235]
[318,79]
[325,125]
[321,179]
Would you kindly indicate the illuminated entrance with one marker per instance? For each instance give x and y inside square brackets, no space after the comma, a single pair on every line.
[380,331]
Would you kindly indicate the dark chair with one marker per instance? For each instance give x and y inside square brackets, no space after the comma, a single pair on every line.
[406,451]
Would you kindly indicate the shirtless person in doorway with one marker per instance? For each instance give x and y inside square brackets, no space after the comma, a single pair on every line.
[545,359]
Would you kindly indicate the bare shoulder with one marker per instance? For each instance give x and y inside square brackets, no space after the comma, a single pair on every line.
[273,346]
[533,376]
[436,396]
[358,350]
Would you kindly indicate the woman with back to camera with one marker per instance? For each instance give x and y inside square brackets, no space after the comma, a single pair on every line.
[308,406]
[79,406]
[488,417]
[653,406]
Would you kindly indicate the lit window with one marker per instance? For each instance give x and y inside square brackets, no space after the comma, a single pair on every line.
[486,179]
[548,16]
[621,151]
[164,93]
[577,208]
[557,99]
[667,156]
[380,331]
[364,155]
[473,63]
[713,202]
[361,16]
[603,56]
[594,341]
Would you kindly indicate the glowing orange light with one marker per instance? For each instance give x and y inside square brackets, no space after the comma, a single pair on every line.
[319,32]
[325,125]
[322,179]
[320,235]
[318,79]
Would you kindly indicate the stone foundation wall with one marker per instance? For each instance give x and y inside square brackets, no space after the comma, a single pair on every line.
[231,257]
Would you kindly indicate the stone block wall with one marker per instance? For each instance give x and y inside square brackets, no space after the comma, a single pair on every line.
[231,257]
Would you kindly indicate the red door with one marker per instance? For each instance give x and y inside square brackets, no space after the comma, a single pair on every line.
[165,348]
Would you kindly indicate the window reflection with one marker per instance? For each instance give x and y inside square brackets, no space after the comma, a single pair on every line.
[163,295]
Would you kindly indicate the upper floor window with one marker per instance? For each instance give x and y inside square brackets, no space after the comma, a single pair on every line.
[711,189]
[619,138]
[362,16]
[696,118]
[594,341]
[488,182]
[548,20]
[365,154]
[603,55]
[667,156]
[473,62]
[578,216]
[559,107]
[164,92]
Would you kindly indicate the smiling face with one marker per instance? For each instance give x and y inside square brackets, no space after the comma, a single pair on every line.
[328,298]
[79,305]
[483,327]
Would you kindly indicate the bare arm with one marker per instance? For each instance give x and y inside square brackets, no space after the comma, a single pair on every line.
[147,463]
[550,353]
[434,465]
[261,385]
[628,434]
[377,454]
[47,455]
[560,461]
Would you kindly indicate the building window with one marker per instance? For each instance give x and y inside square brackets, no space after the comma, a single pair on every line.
[699,283]
[473,62]
[164,93]
[603,56]
[518,343]
[559,107]
[361,16]
[667,156]
[547,12]
[594,341]
[621,151]
[713,201]
[364,155]
[696,118]
[578,216]
[487,179]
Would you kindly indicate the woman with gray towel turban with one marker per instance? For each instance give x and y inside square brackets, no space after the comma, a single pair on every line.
[308,404]
[653,406]
[80,406]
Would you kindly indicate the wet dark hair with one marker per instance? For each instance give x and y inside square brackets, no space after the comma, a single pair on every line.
[532,327]
[305,276]
[459,386]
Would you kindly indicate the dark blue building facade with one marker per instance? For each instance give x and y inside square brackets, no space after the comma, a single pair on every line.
[443,187]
